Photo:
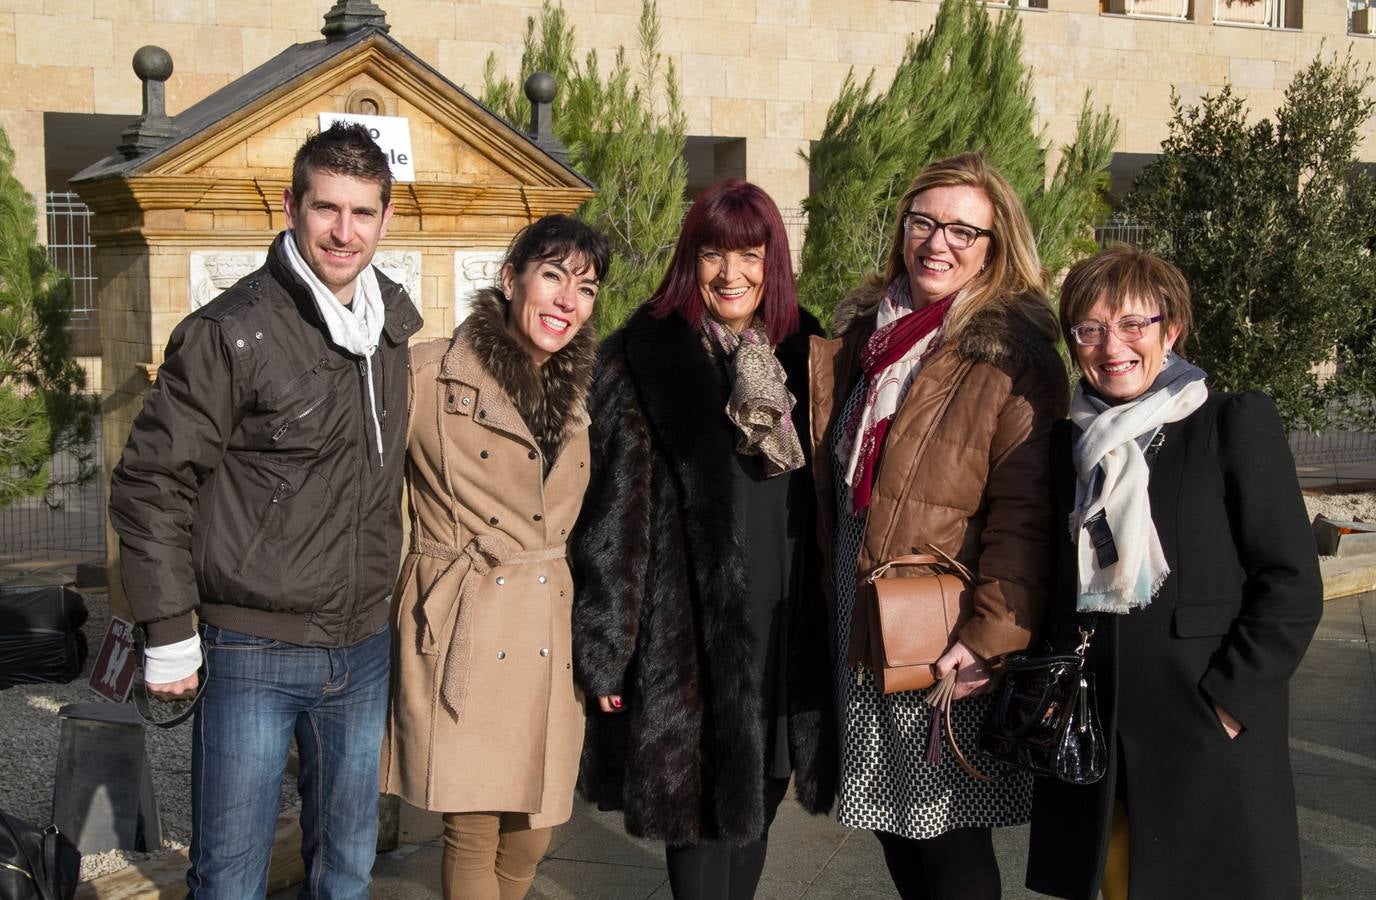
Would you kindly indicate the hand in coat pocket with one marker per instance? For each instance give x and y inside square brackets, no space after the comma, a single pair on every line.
[1232,726]
[610,704]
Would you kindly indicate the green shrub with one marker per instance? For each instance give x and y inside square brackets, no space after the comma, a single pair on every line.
[961,86]
[1273,228]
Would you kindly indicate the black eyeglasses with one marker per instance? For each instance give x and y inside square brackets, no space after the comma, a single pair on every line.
[1128,329]
[959,235]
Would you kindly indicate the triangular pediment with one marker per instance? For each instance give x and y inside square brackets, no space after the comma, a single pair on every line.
[241,139]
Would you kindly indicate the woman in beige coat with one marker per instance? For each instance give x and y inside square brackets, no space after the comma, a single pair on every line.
[485,724]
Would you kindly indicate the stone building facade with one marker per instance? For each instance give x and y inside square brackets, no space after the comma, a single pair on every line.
[758,75]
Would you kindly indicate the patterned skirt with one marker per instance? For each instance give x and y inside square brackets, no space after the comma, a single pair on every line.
[886,782]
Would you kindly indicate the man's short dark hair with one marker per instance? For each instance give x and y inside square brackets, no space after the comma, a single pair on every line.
[345,148]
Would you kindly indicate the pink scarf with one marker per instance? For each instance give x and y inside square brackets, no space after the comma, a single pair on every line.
[889,359]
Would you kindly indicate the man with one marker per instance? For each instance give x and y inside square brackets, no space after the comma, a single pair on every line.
[259,493]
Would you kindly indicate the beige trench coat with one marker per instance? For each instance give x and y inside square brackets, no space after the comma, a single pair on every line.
[484,524]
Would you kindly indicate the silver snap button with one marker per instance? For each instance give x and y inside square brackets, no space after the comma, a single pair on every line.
[258,335]
[501,579]
[465,401]
[501,654]
[544,651]
[543,579]
[239,343]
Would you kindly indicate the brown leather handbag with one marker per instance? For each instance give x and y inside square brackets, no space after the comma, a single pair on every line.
[913,619]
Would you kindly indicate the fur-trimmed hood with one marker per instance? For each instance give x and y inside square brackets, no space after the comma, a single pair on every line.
[548,397]
[1021,331]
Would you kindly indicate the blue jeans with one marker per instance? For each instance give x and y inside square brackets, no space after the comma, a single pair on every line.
[260,692]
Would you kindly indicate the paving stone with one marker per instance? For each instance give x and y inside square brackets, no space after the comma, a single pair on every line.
[1337,659]
[1342,620]
[1337,812]
[1326,747]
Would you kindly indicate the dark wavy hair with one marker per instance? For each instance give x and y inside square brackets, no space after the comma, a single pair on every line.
[732,215]
[558,237]
[343,149]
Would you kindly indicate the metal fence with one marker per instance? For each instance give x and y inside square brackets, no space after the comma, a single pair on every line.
[70,249]
[69,520]
[1119,228]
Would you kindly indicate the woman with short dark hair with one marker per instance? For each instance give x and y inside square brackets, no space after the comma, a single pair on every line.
[697,625]
[1184,546]
[486,725]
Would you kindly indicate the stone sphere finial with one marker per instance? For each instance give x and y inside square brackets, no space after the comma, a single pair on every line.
[152,63]
[540,87]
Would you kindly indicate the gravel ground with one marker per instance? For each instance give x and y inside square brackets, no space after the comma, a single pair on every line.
[1343,507]
[28,756]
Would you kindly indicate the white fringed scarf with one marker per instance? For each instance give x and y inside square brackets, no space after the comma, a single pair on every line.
[1112,475]
[357,327]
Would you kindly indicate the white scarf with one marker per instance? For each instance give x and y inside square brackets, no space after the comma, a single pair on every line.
[357,327]
[881,402]
[1113,474]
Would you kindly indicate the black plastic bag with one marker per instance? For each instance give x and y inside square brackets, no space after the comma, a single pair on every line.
[40,634]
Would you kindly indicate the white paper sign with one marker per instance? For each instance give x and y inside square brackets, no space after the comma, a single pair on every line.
[393,135]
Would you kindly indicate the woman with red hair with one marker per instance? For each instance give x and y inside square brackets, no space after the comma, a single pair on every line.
[698,623]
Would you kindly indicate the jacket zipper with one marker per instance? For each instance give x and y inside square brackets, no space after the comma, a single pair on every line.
[282,431]
[263,525]
[916,454]
[360,480]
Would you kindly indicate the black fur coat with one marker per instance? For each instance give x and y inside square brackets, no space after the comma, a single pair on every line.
[657,613]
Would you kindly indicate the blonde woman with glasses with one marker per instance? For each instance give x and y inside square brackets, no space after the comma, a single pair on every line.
[932,411]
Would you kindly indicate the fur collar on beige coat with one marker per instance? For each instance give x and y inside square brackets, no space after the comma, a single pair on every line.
[497,464]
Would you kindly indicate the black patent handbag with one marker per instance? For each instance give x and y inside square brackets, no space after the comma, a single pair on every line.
[1044,718]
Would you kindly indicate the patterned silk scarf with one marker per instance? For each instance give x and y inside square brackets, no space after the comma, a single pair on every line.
[760,405]
[890,361]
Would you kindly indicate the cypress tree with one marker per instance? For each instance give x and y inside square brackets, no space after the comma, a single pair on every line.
[42,409]
[960,86]
[625,131]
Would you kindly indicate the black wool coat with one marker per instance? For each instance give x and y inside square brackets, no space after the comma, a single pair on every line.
[1207,817]
[661,615]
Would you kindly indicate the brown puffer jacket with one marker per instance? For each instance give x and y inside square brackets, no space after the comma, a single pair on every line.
[964,467]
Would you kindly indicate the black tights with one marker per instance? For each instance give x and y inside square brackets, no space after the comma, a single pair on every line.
[712,870]
[958,865]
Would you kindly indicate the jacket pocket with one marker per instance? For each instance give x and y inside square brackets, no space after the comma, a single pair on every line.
[1205,619]
[298,415]
[269,534]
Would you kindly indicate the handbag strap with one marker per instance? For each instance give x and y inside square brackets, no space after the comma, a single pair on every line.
[939,698]
[938,558]
[139,691]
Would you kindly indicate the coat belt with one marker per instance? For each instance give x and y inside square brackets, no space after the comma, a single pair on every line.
[484,553]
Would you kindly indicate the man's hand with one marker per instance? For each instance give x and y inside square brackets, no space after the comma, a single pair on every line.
[972,672]
[175,690]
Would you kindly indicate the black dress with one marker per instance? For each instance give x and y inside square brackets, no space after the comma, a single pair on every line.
[770,514]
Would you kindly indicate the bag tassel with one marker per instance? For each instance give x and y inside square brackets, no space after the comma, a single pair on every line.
[934,737]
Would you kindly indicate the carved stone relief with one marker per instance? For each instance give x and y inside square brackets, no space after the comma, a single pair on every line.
[473,271]
[214,271]
[403,267]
